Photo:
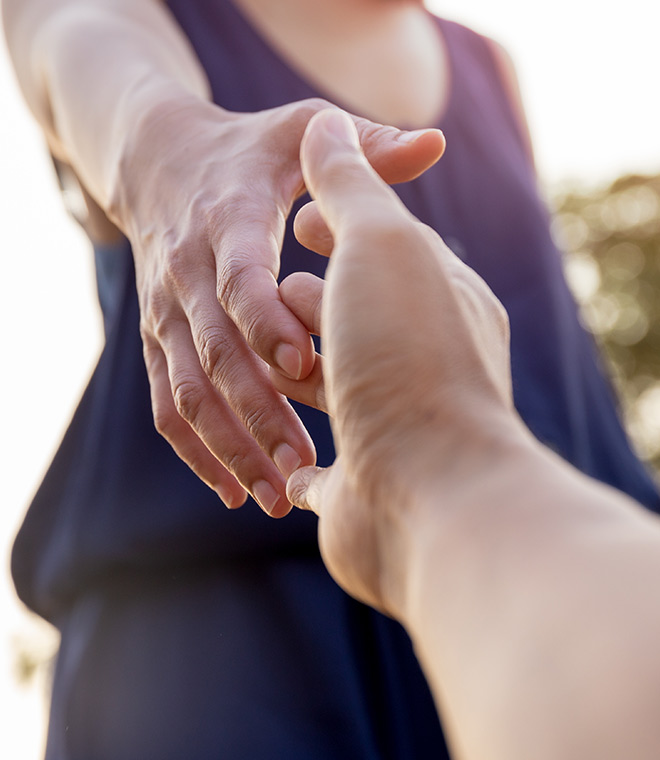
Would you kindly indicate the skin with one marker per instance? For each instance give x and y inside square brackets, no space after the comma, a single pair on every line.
[203,195]
[530,591]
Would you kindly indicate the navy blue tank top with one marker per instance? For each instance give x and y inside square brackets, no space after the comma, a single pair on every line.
[117,499]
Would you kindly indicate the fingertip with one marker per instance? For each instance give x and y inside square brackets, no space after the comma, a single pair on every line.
[287,460]
[302,489]
[267,497]
[293,360]
[336,123]
[289,360]
[400,156]
[431,137]
[302,294]
[231,500]
[283,509]
[423,147]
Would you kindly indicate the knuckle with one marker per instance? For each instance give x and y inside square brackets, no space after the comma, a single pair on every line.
[259,327]
[233,274]
[149,349]
[154,317]
[226,214]
[188,395]
[236,463]
[159,304]
[229,206]
[215,351]
[256,421]
[372,134]
[176,266]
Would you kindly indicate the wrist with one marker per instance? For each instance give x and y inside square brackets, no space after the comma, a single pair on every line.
[457,504]
[86,97]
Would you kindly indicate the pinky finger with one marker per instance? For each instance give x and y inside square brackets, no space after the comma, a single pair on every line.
[183,439]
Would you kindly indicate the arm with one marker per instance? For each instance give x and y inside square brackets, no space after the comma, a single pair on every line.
[530,591]
[203,195]
[88,70]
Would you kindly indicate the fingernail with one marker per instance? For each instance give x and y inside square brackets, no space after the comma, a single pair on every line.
[289,360]
[340,124]
[286,459]
[266,495]
[410,137]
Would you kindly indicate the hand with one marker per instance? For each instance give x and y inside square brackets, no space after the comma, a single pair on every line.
[416,366]
[204,199]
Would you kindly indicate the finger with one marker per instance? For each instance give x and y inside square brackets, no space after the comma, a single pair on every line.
[182,437]
[397,155]
[338,175]
[223,432]
[302,294]
[247,255]
[249,239]
[310,391]
[311,231]
[239,376]
[305,488]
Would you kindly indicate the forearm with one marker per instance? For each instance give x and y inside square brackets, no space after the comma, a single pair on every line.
[534,611]
[92,71]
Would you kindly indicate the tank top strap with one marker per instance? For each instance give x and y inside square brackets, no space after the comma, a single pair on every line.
[473,65]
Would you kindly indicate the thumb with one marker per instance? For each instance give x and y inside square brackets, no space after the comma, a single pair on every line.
[337,174]
[305,486]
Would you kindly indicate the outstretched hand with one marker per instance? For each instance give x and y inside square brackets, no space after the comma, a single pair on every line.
[204,202]
[415,364]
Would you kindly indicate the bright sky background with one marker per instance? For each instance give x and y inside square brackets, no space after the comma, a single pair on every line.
[588,72]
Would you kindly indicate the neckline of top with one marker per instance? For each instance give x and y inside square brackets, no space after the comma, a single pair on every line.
[280,59]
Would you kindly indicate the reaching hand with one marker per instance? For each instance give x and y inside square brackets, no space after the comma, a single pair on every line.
[416,363]
[204,200]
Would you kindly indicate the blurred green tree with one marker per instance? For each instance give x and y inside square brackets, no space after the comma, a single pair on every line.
[611,238]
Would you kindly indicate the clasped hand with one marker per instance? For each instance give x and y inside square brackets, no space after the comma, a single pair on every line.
[415,369]
[204,196]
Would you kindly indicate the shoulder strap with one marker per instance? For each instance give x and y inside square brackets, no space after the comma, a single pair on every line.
[509,79]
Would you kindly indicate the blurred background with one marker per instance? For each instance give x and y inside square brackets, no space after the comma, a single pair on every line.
[588,73]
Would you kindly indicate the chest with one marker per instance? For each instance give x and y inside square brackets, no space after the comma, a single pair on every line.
[384,60]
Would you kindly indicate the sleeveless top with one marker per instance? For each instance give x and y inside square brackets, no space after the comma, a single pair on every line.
[116,498]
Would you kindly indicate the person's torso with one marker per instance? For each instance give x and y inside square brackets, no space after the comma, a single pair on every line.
[117,498]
